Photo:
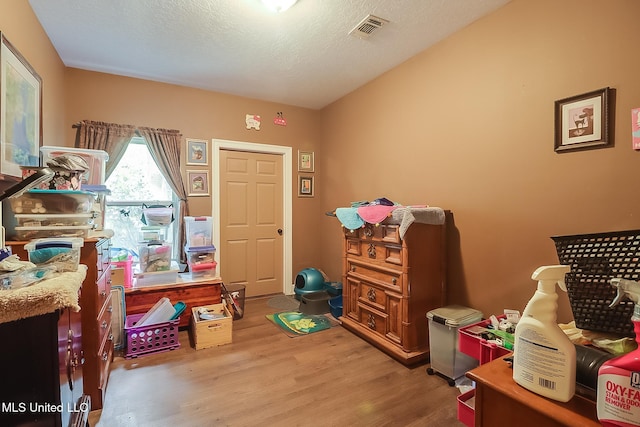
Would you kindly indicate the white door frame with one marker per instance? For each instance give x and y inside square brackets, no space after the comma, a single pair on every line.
[285,152]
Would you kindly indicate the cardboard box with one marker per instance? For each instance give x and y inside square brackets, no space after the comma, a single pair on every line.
[211,333]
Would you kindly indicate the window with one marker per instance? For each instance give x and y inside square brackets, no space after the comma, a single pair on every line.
[136,181]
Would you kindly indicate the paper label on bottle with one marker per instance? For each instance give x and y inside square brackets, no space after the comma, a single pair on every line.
[619,397]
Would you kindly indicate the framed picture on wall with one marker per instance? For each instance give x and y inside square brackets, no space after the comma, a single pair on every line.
[305,186]
[582,121]
[198,182]
[21,111]
[197,152]
[305,161]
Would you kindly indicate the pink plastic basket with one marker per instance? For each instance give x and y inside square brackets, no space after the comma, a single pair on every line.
[143,340]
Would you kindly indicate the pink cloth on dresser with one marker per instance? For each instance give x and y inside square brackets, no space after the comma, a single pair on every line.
[375,214]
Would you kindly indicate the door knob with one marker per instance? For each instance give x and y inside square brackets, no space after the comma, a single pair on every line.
[280,231]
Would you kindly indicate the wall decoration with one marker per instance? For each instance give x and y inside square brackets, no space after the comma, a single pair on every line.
[21,111]
[252,121]
[582,121]
[279,119]
[198,182]
[305,161]
[635,128]
[197,152]
[305,186]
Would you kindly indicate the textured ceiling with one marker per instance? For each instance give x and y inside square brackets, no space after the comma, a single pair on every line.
[302,57]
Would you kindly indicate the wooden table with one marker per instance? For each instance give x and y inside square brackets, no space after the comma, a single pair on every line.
[501,401]
[194,293]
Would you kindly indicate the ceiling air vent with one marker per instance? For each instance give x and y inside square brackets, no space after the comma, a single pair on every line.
[368,26]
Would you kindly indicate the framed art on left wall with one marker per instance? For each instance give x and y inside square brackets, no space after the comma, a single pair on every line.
[21,111]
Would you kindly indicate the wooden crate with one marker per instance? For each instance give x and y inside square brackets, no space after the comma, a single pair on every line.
[211,333]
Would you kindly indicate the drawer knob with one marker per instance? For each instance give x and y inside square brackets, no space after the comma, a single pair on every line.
[105,356]
[104,324]
[372,250]
[353,268]
[371,322]
[103,294]
[394,280]
[371,294]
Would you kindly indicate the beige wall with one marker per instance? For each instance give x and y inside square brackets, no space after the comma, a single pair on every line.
[468,125]
[19,25]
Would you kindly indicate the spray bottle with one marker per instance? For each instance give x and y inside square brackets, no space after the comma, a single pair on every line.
[544,358]
[618,395]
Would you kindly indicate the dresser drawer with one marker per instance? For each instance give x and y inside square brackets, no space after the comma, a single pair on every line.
[373,320]
[103,250]
[373,296]
[104,320]
[105,356]
[384,254]
[378,275]
[379,233]
[103,287]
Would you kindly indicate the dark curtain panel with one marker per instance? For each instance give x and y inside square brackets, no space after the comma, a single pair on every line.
[164,146]
[109,137]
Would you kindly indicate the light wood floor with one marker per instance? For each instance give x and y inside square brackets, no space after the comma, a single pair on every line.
[265,378]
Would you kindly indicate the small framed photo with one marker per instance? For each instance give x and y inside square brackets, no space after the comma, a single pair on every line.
[198,182]
[305,186]
[305,161]
[197,153]
[582,121]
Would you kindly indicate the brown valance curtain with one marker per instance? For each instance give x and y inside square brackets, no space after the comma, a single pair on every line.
[163,144]
[109,137]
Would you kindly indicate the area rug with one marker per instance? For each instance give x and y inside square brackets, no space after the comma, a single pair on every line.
[295,324]
[284,303]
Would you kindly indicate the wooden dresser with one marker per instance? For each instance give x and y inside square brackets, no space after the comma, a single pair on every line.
[391,283]
[96,308]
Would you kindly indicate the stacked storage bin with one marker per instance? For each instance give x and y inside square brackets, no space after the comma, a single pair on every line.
[50,213]
[154,251]
[199,249]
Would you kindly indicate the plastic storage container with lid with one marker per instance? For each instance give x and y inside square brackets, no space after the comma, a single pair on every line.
[63,253]
[96,160]
[199,231]
[53,202]
[444,322]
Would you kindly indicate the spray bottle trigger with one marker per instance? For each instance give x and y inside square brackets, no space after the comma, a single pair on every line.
[562,285]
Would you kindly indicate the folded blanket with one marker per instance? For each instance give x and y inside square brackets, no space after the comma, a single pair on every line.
[349,218]
[43,297]
[405,216]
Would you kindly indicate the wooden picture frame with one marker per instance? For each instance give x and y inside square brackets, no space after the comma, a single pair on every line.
[305,186]
[582,121]
[20,111]
[306,161]
[198,182]
[197,152]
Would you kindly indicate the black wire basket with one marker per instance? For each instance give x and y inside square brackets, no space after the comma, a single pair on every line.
[594,259]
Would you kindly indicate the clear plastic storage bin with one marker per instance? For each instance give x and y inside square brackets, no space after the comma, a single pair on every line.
[53,202]
[64,254]
[446,359]
[199,231]
[96,160]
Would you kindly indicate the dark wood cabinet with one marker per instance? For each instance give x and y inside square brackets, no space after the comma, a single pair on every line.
[96,308]
[42,377]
